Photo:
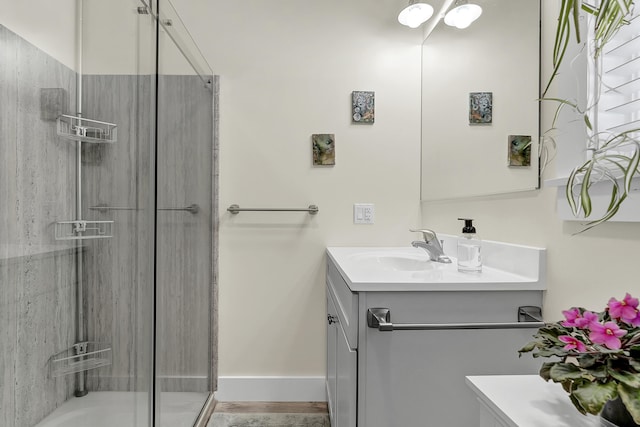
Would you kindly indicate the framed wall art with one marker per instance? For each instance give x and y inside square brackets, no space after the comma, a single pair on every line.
[519,150]
[324,150]
[363,106]
[480,107]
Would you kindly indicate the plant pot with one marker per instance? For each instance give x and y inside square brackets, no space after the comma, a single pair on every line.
[615,414]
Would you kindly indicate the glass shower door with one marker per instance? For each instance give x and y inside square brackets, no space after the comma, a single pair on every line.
[118,184]
[185,196]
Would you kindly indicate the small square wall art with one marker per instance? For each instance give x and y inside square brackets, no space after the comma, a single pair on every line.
[480,107]
[519,150]
[324,150]
[362,104]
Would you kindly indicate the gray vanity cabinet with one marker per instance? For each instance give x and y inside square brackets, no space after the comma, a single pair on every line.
[416,378]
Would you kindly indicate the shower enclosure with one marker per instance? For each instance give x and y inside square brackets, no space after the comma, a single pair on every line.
[108,212]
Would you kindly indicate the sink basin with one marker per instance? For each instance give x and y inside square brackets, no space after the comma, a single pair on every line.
[396,261]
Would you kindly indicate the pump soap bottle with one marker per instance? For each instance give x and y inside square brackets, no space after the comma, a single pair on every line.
[469,245]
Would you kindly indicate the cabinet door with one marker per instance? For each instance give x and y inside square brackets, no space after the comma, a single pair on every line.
[347,381]
[332,339]
[417,378]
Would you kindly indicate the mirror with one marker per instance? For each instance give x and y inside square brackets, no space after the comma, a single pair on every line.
[498,54]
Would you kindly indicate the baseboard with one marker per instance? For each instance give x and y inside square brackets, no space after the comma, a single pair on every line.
[270,389]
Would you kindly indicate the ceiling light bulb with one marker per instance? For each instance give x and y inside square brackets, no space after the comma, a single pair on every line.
[415,14]
[462,16]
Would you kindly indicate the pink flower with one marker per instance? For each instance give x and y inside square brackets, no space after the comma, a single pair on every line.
[608,334]
[586,320]
[573,343]
[577,319]
[635,321]
[626,310]
[571,316]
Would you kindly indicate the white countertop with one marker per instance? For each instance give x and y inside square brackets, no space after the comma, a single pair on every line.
[529,401]
[362,270]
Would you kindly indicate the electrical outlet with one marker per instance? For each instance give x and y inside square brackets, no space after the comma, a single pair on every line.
[363,213]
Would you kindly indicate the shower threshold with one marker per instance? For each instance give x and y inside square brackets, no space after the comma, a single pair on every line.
[126,409]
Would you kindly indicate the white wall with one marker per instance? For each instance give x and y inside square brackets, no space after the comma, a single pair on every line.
[287,71]
[49,25]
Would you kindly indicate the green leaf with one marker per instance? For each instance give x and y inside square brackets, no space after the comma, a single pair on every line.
[563,34]
[587,361]
[614,197]
[587,121]
[565,371]
[628,378]
[631,399]
[562,102]
[610,214]
[632,168]
[528,347]
[599,371]
[545,370]
[593,396]
[577,404]
[548,352]
[569,192]
[635,364]
[577,5]
[584,191]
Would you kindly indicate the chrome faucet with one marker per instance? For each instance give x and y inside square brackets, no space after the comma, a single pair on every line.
[432,245]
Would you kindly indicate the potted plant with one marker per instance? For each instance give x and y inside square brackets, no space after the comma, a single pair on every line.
[613,156]
[596,359]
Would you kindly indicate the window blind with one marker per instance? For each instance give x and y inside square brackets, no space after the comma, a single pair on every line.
[617,100]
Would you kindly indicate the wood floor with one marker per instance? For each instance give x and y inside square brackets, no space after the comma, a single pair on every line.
[270,414]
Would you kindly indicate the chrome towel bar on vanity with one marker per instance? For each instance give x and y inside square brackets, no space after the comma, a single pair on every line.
[380,318]
[235,209]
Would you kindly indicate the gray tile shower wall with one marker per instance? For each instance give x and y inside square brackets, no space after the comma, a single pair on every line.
[37,277]
[118,271]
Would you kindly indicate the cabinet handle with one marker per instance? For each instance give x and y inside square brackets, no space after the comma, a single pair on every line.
[332,319]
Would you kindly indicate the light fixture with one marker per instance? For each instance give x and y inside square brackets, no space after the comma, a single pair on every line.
[415,14]
[463,14]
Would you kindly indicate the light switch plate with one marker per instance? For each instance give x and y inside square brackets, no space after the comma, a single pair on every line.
[363,213]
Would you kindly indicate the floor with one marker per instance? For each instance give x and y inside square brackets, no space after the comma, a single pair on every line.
[270,414]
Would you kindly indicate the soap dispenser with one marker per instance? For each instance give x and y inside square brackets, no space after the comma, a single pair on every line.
[469,245]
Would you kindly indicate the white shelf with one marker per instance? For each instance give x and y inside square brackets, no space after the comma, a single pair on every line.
[79,358]
[600,198]
[83,230]
[86,130]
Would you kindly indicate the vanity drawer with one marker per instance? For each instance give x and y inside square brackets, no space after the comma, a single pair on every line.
[346,304]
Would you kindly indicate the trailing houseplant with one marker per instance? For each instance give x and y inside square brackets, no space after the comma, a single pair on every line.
[613,157]
[595,356]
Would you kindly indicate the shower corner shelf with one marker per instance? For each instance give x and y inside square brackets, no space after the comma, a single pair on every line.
[86,130]
[82,230]
[79,358]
